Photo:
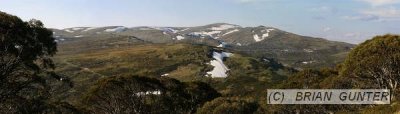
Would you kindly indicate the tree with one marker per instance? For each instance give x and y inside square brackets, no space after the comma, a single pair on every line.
[376,60]
[324,78]
[306,79]
[25,51]
[232,105]
[136,94]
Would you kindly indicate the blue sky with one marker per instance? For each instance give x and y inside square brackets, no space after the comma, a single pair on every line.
[350,21]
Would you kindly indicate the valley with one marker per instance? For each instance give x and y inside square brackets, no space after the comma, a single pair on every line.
[290,49]
[200,54]
[199,57]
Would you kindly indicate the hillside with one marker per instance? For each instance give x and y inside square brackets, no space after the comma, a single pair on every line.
[81,62]
[219,68]
[261,42]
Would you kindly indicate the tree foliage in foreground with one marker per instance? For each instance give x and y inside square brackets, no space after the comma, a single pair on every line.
[25,51]
[135,94]
[373,64]
[377,61]
[229,105]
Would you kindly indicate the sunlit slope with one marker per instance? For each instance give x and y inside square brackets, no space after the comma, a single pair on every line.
[184,62]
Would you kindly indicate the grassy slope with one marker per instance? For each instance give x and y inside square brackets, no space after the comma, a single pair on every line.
[85,68]
[83,65]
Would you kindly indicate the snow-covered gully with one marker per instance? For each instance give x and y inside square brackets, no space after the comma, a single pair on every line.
[220,68]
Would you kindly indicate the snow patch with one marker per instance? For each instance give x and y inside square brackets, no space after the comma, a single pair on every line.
[308,62]
[67,30]
[265,35]
[266,60]
[180,37]
[79,36]
[222,44]
[164,75]
[17,46]
[223,27]
[148,93]
[206,33]
[116,29]
[184,29]
[232,31]
[267,30]
[256,38]
[220,69]
[308,50]
[164,29]
[91,28]
[169,30]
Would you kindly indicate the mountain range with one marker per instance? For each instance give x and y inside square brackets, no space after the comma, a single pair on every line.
[234,60]
[290,49]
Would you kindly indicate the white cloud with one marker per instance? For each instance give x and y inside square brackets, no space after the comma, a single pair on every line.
[380,2]
[380,11]
[362,17]
[390,12]
[377,14]
[326,29]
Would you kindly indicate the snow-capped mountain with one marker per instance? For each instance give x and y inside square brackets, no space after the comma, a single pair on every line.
[261,41]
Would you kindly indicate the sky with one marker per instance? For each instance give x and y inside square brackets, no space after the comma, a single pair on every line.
[352,21]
